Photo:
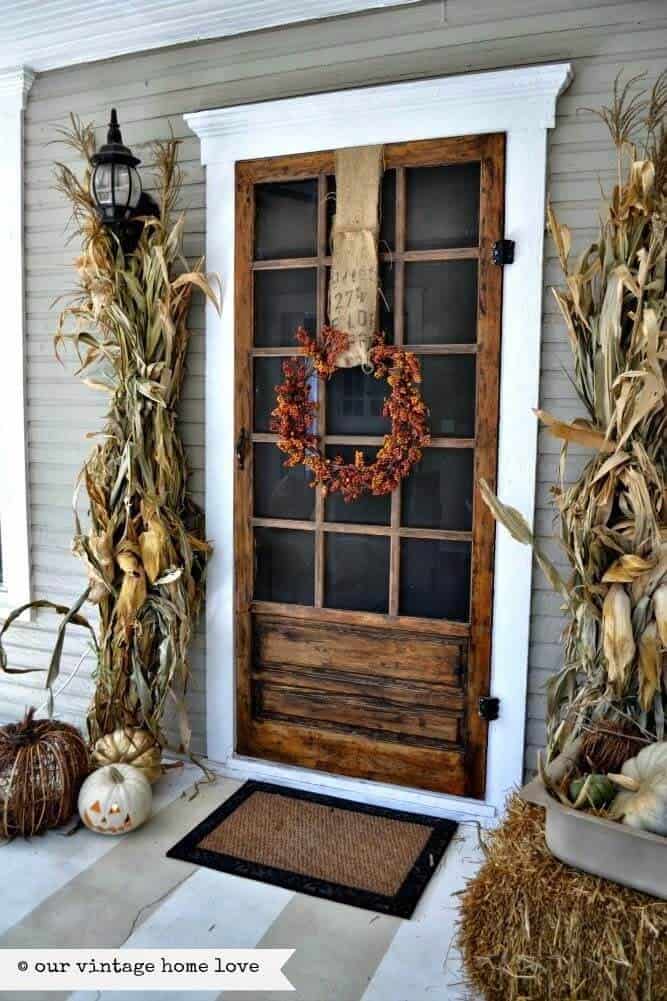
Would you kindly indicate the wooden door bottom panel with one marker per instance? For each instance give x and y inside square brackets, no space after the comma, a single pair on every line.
[338,709]
[358,649]
[432,768]
[394,690]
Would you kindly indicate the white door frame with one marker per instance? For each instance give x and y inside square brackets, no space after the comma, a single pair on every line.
[521,103]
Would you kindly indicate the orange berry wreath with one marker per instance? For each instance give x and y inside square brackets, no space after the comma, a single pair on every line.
[293,418]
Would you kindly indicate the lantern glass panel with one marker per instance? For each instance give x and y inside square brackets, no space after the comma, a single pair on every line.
[102,184]
[128,186]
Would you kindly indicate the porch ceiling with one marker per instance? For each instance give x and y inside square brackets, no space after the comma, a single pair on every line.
[56,33]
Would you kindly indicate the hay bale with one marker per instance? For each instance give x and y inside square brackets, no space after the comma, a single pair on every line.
[533,929]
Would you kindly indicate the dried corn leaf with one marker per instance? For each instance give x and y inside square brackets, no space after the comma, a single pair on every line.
[577,431]
[628,568]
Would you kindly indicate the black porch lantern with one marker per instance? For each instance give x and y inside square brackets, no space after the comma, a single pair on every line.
[115,183]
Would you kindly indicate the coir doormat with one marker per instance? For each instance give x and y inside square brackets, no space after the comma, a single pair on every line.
[367,856]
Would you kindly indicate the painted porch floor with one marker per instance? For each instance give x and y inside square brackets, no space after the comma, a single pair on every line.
[86,891]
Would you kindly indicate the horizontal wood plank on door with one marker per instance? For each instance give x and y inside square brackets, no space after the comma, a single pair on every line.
[400,654]
[326,679]
[440,627]
[354,712]
[434,152]
[357,755]
[292,167]
[349,528]
[386,257]
[361,439]
[299,166]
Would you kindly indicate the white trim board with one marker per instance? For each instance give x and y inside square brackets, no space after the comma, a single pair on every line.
[14,87]
[57,33]
[521,103]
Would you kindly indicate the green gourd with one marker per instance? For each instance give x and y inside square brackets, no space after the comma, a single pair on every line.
[593,791]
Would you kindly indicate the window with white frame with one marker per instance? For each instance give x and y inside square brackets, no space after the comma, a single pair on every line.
[14,535]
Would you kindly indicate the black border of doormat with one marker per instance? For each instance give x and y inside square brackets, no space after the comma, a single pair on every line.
[401,904]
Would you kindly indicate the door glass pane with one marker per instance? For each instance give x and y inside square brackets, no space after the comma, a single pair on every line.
[267,374]
[284,300]
[442,206]
[354,403]
[367,510]
[280,491]
[356,572]
[435,579]
[387,210]
[441,302]
[284,565]
[438,492]
[448,387]
[285,219]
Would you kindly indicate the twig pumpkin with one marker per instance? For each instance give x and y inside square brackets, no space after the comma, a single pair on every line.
[42,765]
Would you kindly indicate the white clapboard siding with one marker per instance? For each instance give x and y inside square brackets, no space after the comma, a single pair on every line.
[152,91]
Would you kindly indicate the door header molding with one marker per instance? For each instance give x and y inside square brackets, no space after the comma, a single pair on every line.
[522,103]
[494,101]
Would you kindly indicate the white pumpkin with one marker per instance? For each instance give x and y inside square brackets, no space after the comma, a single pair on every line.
[642,803]
[115,799]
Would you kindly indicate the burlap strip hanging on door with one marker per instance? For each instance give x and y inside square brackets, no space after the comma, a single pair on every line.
[349,339]
[353,287]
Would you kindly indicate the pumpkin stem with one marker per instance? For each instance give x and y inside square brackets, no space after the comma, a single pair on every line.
[625,782]
[116,775]
[23,733]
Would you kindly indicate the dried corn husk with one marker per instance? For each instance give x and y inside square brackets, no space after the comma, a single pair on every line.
[144,548]
[613,518]
[133,588]
[154,544]
[617,639]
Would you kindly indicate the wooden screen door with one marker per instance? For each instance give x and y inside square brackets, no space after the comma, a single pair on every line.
[363,630]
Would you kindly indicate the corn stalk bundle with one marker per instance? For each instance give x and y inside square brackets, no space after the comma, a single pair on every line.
[144,548]
[613,520]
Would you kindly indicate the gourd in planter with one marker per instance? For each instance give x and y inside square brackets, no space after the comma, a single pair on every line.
[115,799]
[130,746]
[642,803]
[595,791]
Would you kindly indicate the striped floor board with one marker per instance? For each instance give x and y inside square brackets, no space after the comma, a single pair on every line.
[90,891]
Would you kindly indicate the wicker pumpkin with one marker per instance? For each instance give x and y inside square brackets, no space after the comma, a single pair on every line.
[42,765]
[130,746]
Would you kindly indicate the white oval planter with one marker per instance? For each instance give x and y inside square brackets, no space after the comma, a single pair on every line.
[602,847]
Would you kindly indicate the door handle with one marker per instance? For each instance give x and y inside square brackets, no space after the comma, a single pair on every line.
[241,448]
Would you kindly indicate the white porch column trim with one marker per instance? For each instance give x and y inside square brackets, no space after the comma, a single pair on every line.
[521,103]
[14,532]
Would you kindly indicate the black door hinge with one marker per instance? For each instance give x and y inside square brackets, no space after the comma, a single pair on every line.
[489,708]
[502,252]
[241,446]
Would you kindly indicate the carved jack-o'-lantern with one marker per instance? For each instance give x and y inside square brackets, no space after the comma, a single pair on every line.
[115,799]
